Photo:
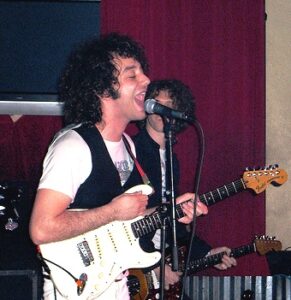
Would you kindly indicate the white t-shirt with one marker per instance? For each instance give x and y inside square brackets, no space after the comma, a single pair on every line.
[68,162]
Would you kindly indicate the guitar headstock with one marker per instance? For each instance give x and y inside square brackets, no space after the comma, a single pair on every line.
[258,180]
[265,244]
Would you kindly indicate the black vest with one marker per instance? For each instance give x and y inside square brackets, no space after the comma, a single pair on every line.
[103,183]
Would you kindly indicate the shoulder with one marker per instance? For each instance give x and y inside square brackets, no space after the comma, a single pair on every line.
[141,138]
[144,143]
[67,141]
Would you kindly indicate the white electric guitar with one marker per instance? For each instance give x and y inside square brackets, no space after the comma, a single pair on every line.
[83,267]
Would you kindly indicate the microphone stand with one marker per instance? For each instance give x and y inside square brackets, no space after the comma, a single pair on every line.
[170,196]
[170,187]
[163,255]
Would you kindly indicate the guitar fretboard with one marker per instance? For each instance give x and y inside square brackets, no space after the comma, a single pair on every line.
[209,261]
[154,221]
[223,192]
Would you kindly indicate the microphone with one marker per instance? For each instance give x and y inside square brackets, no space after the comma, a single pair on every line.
[153,107]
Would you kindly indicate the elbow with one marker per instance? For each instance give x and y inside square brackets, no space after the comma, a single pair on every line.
[37,234]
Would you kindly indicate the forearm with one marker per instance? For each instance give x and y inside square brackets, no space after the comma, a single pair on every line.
[52,221]
[69,223]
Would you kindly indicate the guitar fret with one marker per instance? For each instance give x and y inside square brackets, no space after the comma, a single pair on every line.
[154,220]
[135,229]
[203,199]
[150,223]
[216,196]
[219,194]
[226,190]
[234,187]
[157,220]
[144,226]
[243,183]
[207,198]
[223,192]
[212,197]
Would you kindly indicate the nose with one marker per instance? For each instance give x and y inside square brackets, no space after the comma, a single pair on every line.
[145,80]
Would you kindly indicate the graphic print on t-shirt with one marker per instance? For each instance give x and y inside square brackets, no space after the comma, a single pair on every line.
[123,170]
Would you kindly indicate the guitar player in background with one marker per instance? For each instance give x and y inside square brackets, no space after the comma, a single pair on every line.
[88,165]
[150,148]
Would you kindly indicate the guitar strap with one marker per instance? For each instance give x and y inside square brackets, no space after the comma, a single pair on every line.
[142,173]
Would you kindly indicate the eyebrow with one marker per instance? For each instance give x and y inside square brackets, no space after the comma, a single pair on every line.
[129,68]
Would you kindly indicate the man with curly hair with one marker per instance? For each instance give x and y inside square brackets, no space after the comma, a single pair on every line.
[150,145]
[88,167]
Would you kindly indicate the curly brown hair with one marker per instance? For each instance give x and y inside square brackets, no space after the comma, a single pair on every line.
[90,73]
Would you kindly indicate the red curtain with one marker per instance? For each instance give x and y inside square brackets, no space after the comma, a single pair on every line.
[23,147]
[218,49]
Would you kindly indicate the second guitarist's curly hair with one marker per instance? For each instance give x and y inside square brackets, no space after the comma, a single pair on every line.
[180,93]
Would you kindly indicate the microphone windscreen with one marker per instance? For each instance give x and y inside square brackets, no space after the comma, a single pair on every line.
[149,105]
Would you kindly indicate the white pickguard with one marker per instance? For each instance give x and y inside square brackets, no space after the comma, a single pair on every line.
[114,248]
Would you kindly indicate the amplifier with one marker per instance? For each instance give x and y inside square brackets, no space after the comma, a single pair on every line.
[19,285]
[238,287]
[279,262]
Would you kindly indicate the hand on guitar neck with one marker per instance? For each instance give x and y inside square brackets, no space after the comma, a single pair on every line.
[227,261]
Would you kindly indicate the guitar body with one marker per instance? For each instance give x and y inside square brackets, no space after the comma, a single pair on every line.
[138,284]
[96,257]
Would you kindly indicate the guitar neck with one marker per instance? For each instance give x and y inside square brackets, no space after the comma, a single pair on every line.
[223,192]
[257,180]
[217,195]
[154,221]
[209,261]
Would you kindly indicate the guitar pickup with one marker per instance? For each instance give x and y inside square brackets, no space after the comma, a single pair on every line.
[85,252]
